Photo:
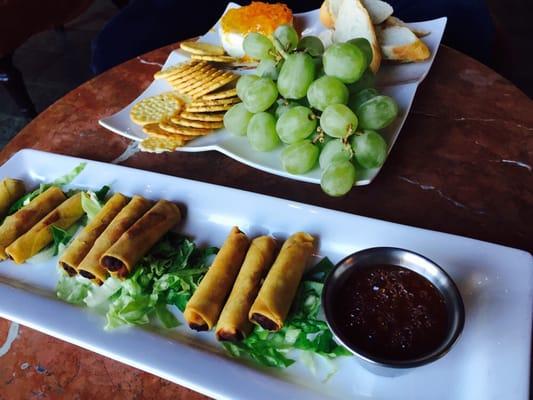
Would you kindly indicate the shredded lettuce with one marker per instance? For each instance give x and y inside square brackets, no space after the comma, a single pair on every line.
[72,290]
[90,204]
[99,295]
[60,182]
[167,276]
[303,329]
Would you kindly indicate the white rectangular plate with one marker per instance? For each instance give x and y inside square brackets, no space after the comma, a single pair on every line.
[399,81]
[489,361]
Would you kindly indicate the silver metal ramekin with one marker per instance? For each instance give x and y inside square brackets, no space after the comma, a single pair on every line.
[412,261]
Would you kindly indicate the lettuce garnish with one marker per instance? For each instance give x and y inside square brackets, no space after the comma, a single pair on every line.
[167,276]
[303,330]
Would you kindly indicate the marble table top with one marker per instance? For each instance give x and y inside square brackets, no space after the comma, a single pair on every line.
[462,165]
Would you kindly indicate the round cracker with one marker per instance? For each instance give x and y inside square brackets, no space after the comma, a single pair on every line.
[221,95]
[216,59]
[215,84]
[200,48]
[159,145]
[200,109]
[210,117]
[191,73]
[183,130]
[175,69]
[156,108]
[202,102]
[190,123]
[202,81]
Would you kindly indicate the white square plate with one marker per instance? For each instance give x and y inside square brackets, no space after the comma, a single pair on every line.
[490,360]
[399,81]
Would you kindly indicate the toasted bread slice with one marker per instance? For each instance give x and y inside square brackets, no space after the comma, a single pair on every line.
[352,22]
[326,17]
[398,43]
[395,21]
[378,10]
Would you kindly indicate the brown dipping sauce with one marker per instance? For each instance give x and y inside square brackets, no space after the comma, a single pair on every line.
[391,312]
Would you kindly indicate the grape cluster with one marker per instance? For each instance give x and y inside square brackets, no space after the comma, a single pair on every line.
[318,103]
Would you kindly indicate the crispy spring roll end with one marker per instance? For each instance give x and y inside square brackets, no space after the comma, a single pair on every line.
[265,322]
[91,277]
[68,269]
[225,335]
[113,264]
[195,321]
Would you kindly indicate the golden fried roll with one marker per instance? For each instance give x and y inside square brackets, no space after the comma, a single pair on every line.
[203,309]
[33,241]
[275,297]
[10,191]
[121,257]
[75,253]
[90,265]
[20,222]
[233,324]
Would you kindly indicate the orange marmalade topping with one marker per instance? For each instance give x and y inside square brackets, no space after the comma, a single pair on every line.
[256,17]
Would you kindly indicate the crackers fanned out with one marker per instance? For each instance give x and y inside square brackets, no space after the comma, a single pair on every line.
[203,91]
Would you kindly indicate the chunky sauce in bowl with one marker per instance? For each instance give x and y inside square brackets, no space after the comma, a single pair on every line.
[391,312]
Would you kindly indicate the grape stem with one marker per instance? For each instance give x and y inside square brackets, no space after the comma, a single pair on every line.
[319,137]
[279,48]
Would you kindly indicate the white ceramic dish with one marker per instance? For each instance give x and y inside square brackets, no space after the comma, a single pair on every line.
[490,360]
[398,81]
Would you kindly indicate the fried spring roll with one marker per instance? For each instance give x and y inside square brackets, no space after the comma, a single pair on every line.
[90,265]
[75,253]
[233,324]
[33,241]
[121,257]
[203,309]
[275,297]
[10,191]
[20,222]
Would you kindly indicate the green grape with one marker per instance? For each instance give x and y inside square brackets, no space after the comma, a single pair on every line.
[296,124]
[261,132]
[311,45]
[267,68]
[326,91]
[338,178]
[370,149]
[284,106]
[359,98]
[286,36]
[368,80]
[377,113]
[243,83]
[257,45]
[364,45]
[338,121]
[344,61]
[297,73]
[260,95]
[299,157]
[334,150]
[236,119]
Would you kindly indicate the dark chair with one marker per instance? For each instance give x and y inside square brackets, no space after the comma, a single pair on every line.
[19,20]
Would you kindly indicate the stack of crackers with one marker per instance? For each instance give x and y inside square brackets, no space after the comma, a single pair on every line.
[203,92]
